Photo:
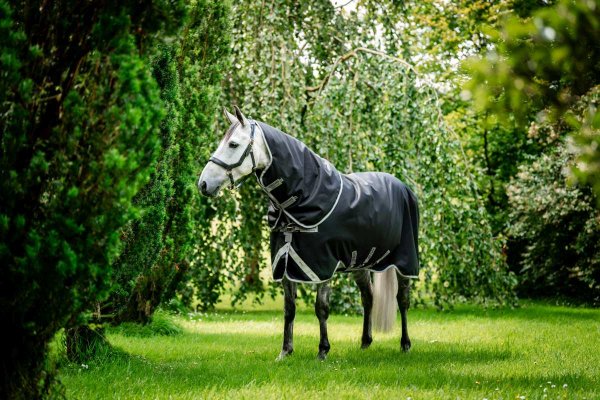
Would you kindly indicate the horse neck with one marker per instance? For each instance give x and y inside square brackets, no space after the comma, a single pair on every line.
[299,176]
[286,156]
[261,154]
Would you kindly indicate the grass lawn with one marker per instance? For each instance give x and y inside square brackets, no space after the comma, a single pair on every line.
[537,351]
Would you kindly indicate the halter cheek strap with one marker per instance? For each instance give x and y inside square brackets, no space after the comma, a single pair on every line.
[229,167]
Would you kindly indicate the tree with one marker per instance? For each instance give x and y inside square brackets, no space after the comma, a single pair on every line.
[558,225]
[79,116]
[541,76]
[541,65]
[159,246]
[364,109]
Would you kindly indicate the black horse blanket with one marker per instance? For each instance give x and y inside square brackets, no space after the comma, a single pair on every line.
[323,221]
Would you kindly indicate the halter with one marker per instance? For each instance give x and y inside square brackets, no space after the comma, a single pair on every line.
[229,167]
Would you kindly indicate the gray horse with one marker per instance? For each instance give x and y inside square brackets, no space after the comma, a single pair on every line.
[323,222]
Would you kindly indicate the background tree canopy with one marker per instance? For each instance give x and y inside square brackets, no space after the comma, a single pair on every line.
[487,109]
[349,92]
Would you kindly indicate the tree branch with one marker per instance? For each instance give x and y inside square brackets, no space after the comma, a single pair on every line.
[349,55]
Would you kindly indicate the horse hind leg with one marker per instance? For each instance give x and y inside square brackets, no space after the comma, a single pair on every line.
[322,312]
[289,296]
[403,297]
[363,281]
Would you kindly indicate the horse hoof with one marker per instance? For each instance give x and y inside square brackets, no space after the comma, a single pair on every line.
[322,356]
[283,355]
[405,345]
[366,343]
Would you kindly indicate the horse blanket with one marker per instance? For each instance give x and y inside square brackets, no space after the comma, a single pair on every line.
[323,221]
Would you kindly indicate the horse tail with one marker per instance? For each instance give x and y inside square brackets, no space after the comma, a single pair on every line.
[384,300]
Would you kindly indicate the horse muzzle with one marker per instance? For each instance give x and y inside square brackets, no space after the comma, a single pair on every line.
[206,189]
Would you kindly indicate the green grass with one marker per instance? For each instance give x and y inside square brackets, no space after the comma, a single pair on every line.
[535,351]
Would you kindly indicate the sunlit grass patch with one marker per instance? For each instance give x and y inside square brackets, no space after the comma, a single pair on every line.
[469,353]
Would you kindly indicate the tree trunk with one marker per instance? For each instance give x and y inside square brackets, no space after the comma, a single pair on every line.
[84,342]
[22,366]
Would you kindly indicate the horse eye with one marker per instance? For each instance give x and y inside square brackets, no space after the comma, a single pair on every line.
[233,145]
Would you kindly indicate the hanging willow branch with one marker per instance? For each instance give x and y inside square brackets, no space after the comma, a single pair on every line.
[349,55]
[440,117]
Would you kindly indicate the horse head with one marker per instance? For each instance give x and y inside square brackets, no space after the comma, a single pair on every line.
[240,153]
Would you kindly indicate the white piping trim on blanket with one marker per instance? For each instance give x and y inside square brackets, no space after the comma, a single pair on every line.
[340,263]
[397,270]
[260,182]
[287,248]
[337,267]
[298,280]
[310,282]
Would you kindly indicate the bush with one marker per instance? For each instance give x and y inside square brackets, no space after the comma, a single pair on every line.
[158,246]
[79,117]
[160,324]
[558,228]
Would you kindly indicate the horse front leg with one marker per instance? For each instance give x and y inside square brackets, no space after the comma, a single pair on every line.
[289,311]
[363,280]
[322,311]
[403,297]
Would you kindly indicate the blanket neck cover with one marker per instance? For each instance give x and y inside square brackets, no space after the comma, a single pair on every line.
[323,221]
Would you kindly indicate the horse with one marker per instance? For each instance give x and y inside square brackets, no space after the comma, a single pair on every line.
[323,222]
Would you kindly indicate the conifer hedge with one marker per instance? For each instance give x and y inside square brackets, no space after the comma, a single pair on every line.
[96,163]
[159,245]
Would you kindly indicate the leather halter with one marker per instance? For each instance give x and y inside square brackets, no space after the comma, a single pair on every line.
[229,167]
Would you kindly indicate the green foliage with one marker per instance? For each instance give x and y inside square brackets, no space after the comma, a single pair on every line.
[86,342]
[159,245]
[202,55]
[344,296]
[79,116]
[540,66]
[546,60]
[363,110]
[159,324]
[144,239]
[559,228]
[539,80]
[586,121]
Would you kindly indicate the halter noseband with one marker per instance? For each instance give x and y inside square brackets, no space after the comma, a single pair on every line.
[229,167]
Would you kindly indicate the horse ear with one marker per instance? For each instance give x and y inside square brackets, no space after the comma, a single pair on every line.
[229,116]
[240,116]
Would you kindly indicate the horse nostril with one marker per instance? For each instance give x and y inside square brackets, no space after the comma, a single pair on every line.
[203,188]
